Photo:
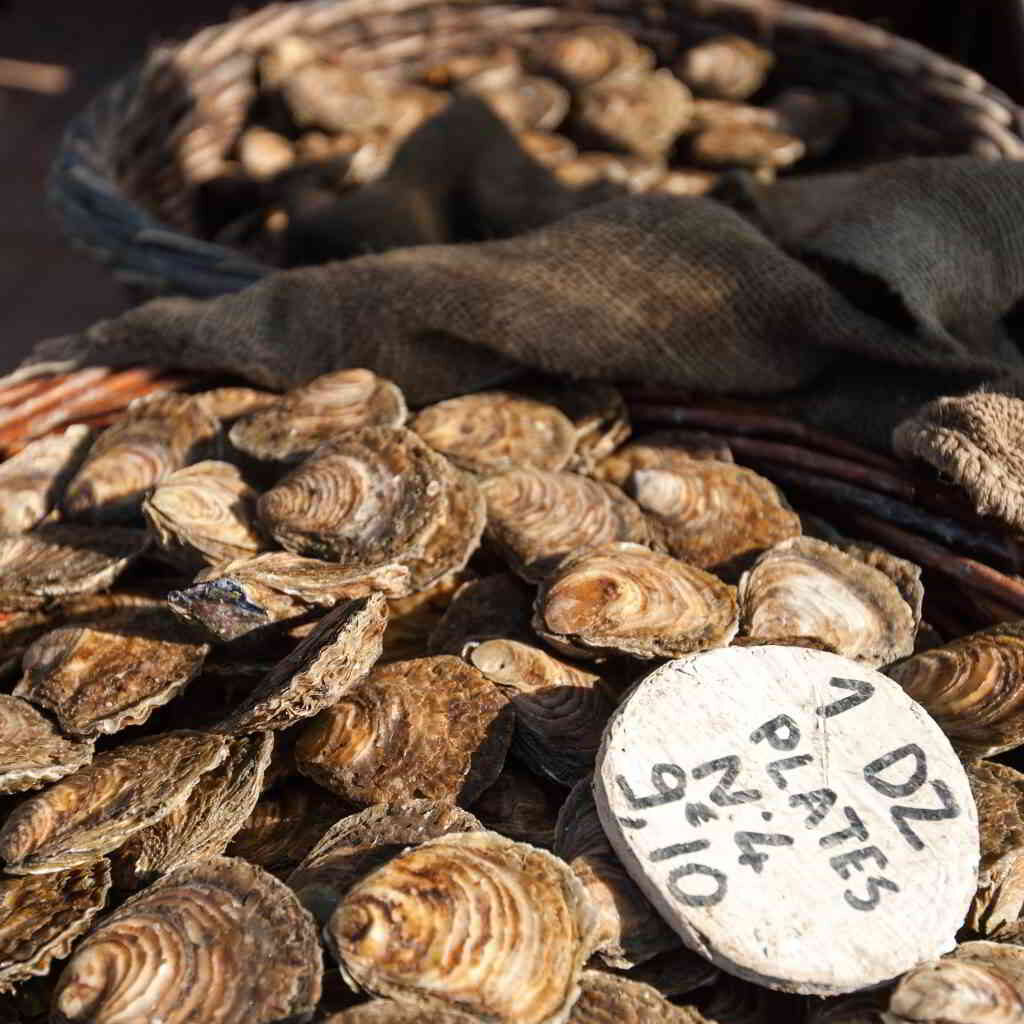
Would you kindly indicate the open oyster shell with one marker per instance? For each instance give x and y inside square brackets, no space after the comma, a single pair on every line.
[96,809]
[32,751]
[320,670]
[561,709]
[496,431]
[33,481]
[805,587]
[58,560]
[298,422]
[607,999]
[430,727]
[536,518]
[103,678]
[973,687]
[218,939]
[204,514]
[359,844]
[625,597]
[666,449]
[154,437]
[41,916]
[523,924]
[489,608]
[520,806]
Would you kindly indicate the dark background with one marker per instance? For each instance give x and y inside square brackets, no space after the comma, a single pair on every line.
[47,288]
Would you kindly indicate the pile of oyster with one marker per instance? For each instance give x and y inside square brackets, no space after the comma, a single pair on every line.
[303,695]
[590,105]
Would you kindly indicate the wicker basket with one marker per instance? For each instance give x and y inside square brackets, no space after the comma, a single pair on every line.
[123,177]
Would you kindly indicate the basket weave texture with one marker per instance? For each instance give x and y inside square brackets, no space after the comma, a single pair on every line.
[123,180]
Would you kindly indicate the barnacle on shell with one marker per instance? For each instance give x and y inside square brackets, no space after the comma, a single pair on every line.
[32,751]
[726,67]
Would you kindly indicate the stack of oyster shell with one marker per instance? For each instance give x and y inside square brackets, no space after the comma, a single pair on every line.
[303,694]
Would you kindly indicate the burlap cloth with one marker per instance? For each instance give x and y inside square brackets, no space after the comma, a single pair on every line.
[882,300]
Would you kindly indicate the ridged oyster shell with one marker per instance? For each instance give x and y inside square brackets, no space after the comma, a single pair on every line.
[32,751]
[521,806]
[493,607]
[607,999]
[666,449]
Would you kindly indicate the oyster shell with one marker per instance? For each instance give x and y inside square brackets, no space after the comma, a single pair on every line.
[153,438]
[709,114]
[103,678]
[536,518]
[805,587]
[673,450]
[972,687]
[731,1000]
[229,403]
[625,597]
[495,431]
[859,1008]
[387,1011]
[672,973]
[204,515]
[32,482]
[297,423]
[520,806]
[94,811]
[32,751]
[529,103]
[490,608]
[714,515]
[57,560]
[726,67]
[215,940]
[634,173]
[561,709]
[523,924]
[607,999]
[413,618]
[746,146]
[547,148]
[630,931]
[42,915]
[336,97]
[588,54]
[375,496]
[263,153]
[321,669]
[429,727]
[905,574]
[359,844]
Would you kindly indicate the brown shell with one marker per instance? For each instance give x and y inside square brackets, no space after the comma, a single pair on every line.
[375,496]
[686,181]
[219,940]
[714,515]
[588,54]
[32,751]
[413,618]
[204,514]
[251,593]
[547,148]
[709,114]
[321,669]
[430,727]
[630,931]
[536,518]
[229,403]
[561,709]
[263,153]
[731,1000]
[41,916]
[607,999]
[104,678]
[523,924]
[318,411]
[361,843]
[204,824]
[336,97]
[495,431]
[726,67]
[631,171]
[94,811]
[490,608]
[672,973]
[746,146]
[32,482]
[805,587]
[152,439]
[973,687]
[529,103]
[520,806]
[57,560]
[673,450]
[387,1011]
[501,63]
[859,1008]
[624,597]
[905,574]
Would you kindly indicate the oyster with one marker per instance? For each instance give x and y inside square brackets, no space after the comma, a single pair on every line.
[359,844]
[336,97]
[232,600]
[321,669]
[731,1000]
[42,915]
[536,518]
[805,587]
[490,608]
[153,438]
[714,515]
[495,431]
[690,181]
[32,751]
[229,403]
[520,806]
[625,597]
[103,678]
[672,450]
[630,931]
[607,999]
[375,496]
[590,53]
[746,146]
[631,171]
[56,560]
[387,1011]
[413,618]
[429,727]
[672,973]
[709,114]
[204,515]
[906,575]
[204,824]
[859,1008]
[524,929]
[263,153]
[94,811]
[297,423]
[218,939]
[547,148]
[561,709]
[726,67]
[32,482]
[972,687]
[531,103]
